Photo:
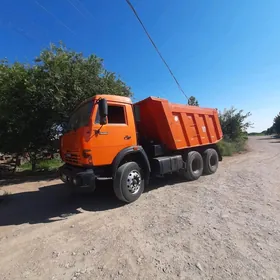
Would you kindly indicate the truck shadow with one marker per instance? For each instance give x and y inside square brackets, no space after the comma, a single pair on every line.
[53,203]
[28,177]
[265,138]
[275,137]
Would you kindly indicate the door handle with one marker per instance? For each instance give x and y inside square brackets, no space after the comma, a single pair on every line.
[127,137]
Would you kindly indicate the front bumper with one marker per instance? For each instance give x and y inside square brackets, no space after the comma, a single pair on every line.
[77,176]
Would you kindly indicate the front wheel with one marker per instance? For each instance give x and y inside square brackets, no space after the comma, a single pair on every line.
[129,182]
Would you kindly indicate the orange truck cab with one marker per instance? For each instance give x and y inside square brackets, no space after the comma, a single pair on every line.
[108,137]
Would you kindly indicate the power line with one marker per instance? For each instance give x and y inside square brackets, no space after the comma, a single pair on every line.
[157,50]
[56,18]
[85,8]
[77,9]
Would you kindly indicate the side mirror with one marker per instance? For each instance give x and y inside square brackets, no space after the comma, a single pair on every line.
[103,111]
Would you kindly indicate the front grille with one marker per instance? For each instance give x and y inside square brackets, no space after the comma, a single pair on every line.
[72,158]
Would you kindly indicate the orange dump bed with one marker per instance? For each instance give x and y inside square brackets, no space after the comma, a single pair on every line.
[177,126]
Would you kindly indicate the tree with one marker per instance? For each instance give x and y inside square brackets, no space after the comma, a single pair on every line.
[69,77]
[270,130]
[234,123]
[276,124]
[36,99]
[192,101]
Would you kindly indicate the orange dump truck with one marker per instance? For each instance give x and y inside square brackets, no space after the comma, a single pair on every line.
[108,137]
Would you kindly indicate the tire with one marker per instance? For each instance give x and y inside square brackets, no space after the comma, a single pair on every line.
[70,188]
[211,161]
[125,188]
[194,166]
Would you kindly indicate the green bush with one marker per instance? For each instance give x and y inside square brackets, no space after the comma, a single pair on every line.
[46,165]
[234,126]
[225,148]
[228,148]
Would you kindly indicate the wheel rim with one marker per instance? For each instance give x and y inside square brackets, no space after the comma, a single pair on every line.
[134,182]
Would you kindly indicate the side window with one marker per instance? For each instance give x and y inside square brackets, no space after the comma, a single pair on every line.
[116,114]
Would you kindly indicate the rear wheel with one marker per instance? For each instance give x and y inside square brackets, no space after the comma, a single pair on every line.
[129,182]
[194,166]
[211,161]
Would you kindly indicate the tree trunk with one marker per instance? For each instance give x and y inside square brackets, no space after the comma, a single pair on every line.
[33,160]
[17,163]
[33,164]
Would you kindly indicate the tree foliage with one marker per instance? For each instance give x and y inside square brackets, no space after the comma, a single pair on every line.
[276,124]
[270,130]
[35,99]
[275,128]
[69,78]
[192,101]
[234,124]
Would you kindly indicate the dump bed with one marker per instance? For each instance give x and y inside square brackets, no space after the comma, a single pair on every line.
[177,126]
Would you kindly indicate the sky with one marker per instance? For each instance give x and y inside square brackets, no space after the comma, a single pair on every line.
[225,53]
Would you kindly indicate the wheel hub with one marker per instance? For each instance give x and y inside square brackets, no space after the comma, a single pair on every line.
[134,181]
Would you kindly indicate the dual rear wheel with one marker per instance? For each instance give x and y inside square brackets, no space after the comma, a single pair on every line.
[198,164]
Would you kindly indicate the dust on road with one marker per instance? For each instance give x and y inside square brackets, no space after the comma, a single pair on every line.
[224,226]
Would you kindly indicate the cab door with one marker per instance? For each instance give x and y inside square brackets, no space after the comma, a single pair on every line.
[109,139]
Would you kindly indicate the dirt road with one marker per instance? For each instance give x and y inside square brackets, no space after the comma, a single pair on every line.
[224,226]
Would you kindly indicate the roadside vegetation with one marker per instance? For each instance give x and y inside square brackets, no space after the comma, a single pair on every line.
[36,100]
[256,133]
[42,165]
[228,148]
[275,128]
[234,126]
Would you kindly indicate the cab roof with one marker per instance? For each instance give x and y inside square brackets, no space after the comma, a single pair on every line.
[109,97]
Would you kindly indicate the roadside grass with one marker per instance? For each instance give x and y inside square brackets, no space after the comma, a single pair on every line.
[228,148]
[256,134]
[42,165]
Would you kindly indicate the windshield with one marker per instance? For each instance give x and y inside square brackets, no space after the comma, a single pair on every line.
[80,117]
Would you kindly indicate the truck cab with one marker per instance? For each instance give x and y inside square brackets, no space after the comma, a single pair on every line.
[100,134]
[108,137]
[90,141]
